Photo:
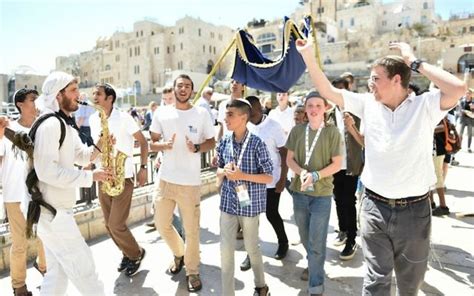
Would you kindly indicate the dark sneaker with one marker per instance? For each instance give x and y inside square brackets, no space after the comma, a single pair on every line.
[22,291]
[151,224]
[433,205]
[264,291]
[441,211]
[305,274]
[469,150]
[340,239]
[245,265]
[123,264]
[349,251]
[134,265]
[281,252]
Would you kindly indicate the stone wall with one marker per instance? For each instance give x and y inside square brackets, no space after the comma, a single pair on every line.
[91,222]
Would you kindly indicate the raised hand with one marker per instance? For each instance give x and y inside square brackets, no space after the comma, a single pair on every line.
[168,145]
[189,144]
[405,51]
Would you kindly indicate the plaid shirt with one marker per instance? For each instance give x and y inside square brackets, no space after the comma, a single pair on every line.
[256,160]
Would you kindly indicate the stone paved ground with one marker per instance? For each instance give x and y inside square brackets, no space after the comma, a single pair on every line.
[451,269]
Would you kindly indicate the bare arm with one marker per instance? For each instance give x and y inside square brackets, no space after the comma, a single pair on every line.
[290,161]
[451,87]
[156,145]
[283,171]
[318,78]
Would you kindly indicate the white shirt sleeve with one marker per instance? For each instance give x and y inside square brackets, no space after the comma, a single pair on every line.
[354,102]
[82,151]
[208,127]
[130,123]
[433,104]
[280,137]
[222,109]
[155,126]
[46,159]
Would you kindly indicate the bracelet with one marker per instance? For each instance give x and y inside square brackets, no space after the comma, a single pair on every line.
[315,176]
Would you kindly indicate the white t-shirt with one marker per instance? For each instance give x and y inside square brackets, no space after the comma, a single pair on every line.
[15,169]
[122,126]
[284,118]
[398,144]
[342,129]
[274,137]
[181,166]
[58,177]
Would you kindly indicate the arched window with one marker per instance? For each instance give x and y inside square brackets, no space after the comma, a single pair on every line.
[466,61]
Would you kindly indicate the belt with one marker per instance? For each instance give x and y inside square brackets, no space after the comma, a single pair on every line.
[398,201]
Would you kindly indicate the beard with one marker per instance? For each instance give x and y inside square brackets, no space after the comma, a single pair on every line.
[183,100]
[69,104]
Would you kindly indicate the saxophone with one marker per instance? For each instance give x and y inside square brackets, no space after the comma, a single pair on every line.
[109,161]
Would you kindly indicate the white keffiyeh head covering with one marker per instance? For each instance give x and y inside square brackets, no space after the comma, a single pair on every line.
[55,82]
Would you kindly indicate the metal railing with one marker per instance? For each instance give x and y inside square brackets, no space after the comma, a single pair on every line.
[88,195]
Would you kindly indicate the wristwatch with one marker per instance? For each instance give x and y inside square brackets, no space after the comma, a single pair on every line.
[197,148]
[143,166]
[415,65]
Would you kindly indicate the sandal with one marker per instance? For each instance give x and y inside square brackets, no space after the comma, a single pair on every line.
[194,282]
[176,265]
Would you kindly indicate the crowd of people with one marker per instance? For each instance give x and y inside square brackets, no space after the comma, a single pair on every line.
[325,147]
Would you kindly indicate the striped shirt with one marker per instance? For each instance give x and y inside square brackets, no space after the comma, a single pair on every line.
[255,160]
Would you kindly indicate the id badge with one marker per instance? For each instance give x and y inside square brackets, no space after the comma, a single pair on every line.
[243,195]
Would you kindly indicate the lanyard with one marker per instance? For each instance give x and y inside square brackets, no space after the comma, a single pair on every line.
[244,146]
[309,151]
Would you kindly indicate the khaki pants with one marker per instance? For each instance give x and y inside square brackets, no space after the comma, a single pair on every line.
[116,210]
[438,165]
[19,247]
[188,200]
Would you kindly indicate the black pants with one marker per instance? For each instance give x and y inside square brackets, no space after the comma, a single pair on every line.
[344,193]
[273,216]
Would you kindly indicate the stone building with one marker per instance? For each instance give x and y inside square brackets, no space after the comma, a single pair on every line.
[147,58]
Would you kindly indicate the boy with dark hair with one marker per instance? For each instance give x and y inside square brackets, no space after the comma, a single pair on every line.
[245,166]
[15,194]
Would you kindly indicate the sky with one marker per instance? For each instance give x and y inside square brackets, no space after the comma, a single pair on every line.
[34,32]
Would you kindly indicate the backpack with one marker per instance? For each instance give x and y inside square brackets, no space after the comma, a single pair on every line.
[452,142]
[34,209]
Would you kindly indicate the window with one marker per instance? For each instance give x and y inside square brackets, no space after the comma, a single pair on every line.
[212,35]
[138,50]
[204,49]
[36,87]
[180,65]
[384,23]
[210,49]
[464,30]
[107,67]
[137,34]
[130,52]
[181,45]
[152,33]
[168,49]
[341,24]
[320,10]
[267,48]
[471,29]
[199,32]
[136,69]
[425,5]
[141,33]
[266,37]
[156,50]
[117,58]
[214,50]
[352,22]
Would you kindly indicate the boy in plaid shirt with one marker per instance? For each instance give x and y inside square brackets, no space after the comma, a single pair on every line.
[245,166]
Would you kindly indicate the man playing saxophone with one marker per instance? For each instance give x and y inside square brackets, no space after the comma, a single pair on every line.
[115,197]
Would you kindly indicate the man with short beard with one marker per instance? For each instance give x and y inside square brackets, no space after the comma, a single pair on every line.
[67,254]
[187,132]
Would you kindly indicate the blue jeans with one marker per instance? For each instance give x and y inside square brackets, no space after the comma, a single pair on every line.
[312,218]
